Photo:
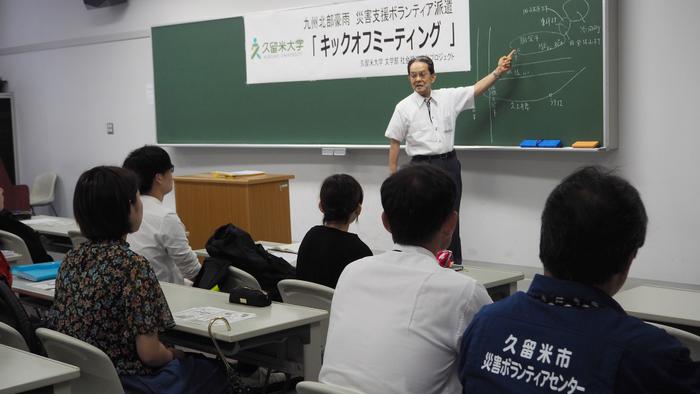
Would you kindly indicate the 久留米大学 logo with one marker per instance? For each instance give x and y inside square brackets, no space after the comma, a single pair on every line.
[255,49]
[274,49]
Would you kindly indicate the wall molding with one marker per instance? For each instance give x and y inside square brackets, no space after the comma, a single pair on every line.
[76,42]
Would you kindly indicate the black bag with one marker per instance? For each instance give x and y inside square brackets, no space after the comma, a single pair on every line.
[235,246]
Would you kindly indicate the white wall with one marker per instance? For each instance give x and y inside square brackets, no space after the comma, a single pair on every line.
[65,96]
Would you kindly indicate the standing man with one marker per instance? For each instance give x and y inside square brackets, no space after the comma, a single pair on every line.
[426,121]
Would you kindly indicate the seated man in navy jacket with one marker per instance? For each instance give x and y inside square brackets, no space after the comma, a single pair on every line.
[566,333]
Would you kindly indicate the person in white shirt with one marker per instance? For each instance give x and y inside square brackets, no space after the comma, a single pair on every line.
[161,239]
[397,317]
[426,121]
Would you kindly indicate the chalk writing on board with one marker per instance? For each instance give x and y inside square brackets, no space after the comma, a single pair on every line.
[557,27]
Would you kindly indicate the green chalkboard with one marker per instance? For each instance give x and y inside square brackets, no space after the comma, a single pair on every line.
[560,86]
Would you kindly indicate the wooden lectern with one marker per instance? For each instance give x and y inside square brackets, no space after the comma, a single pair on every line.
[258,204]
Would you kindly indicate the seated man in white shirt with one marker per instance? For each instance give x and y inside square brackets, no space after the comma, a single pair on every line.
[397,317]
[161,238]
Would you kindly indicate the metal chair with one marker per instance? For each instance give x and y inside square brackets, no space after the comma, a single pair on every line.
[76,238]
[691,341]
[17,245]
[307,387]
[97,373]
[43,191]
[236,277]
[11,337]
[13,314]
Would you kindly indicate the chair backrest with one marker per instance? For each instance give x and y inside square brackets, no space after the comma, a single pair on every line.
[16,196]
[313,295]
[11,337]
[43,188]
[5,181]
[97,373]
[306,387]
[76,238]
[691,341]
[236,277]
[300,292]
[13,314]
[16,244]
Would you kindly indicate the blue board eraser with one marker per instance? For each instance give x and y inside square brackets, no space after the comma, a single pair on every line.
[549,144]
[529,143]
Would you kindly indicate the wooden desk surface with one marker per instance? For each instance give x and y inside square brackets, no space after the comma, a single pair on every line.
[662,304]
[23,371]
[238,180]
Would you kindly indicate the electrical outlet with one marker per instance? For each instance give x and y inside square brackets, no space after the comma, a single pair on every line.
[110,128]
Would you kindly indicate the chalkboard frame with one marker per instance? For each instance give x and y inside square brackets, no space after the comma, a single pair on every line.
[610,105]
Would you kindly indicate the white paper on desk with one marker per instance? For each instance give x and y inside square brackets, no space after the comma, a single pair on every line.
[289,248]
[10,253]
[237,173]
[202,315]
[45,285]
[41,221]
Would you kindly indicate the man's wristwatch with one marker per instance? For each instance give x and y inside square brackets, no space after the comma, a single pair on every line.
[496,74]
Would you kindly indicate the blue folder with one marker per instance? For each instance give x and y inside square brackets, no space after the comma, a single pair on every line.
[37,272]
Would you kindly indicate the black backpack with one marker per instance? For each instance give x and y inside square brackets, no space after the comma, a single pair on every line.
[234,246]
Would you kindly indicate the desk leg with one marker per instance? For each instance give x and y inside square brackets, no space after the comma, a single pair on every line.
[62,388]
[313,352]
[513,288]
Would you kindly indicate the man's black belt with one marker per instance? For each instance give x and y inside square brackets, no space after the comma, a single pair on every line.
[442,156]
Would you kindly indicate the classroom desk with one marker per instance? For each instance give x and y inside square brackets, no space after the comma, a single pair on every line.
[55,229]
[52,225]
[282,336]
[677,307]
[23,371]
[30,289]
[499,284]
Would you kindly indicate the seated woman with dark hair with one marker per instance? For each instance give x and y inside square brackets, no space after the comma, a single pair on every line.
[326,250]
[108,296]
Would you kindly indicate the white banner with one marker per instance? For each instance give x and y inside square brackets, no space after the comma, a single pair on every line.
[357,39]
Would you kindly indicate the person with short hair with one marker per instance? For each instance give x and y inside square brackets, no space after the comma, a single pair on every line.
[397,317]
[108,296]
[426,121]
[161,238]
[567,333]
[327,249]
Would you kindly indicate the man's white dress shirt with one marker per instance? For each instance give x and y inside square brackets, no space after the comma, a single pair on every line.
[396,324]
[434,134]
[162,241]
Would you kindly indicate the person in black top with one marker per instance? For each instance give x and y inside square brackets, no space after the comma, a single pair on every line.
[326,250]
[29,236]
